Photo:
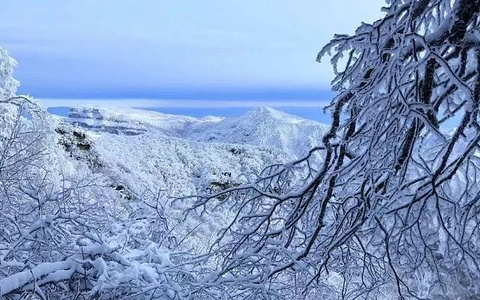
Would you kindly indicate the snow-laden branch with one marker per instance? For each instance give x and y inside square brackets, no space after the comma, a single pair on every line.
[389,204]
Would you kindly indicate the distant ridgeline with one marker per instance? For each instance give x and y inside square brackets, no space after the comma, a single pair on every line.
[263,126]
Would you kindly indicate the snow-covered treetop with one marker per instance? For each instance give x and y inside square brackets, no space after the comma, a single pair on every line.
[8,84]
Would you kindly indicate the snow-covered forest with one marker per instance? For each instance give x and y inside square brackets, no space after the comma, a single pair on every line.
[382,203]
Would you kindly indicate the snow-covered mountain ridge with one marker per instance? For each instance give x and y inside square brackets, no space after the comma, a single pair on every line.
[265,127]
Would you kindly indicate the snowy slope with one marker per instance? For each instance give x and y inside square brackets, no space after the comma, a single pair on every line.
[181,167]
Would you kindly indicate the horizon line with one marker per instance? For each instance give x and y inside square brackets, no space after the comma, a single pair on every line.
[176,103]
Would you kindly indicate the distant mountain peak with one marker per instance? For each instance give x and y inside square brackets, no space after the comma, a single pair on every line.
[268,110]
[265,109]
[267,127]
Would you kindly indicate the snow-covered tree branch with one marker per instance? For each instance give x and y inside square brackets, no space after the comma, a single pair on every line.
[390,202]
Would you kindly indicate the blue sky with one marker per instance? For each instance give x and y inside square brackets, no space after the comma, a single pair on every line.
[219,50]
